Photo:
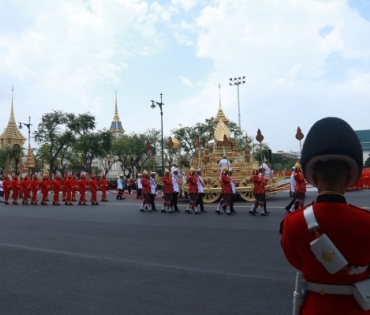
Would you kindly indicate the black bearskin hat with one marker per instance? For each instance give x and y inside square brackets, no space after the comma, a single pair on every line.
[332,139]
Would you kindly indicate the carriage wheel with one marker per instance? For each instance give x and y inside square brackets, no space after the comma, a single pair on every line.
[245,189]
[212,189]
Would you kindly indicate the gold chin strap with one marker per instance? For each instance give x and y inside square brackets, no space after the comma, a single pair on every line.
[330,193]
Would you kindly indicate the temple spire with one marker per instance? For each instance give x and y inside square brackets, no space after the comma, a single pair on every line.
[116,117]
[116,126]
[11,134]
[220,114]
[219,95]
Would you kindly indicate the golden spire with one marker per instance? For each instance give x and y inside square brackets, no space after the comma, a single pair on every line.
[116,117]
[116,126]
[30,162]
[220,114]
[11,134]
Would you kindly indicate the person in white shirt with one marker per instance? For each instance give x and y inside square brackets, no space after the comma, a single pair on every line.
[153,190]
[268,172]
[1,189]
[139,186]
[173,167]
[120,187]
[176,190]
[224,163]
[290,207]
[200,184]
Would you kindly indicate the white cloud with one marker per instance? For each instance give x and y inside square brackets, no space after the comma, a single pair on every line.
[186,81]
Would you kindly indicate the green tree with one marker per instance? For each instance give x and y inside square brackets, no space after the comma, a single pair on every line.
[5,154]
[55,132]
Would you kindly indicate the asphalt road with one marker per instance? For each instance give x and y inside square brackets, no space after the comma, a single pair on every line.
[113,259]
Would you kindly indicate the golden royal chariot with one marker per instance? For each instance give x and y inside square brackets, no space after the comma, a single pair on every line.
[240,162]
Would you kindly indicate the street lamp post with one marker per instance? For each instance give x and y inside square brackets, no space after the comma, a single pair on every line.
[160,104]
[237,82]
[30,163]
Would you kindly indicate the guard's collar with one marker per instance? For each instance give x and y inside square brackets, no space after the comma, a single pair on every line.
[331,198]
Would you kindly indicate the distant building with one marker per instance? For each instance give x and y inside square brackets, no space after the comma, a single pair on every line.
[289,155]
[364,137]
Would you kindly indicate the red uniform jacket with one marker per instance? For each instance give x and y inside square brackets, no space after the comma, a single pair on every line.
[15,185]
[82,185]
[26,186]
[146,185]
[258,185]
[300,183]
[7,185]
[193,184]
[93,185]
[226,184]
[44,185]
[69,185]
[56,185]
[103,183]
[167,184]
[348,227]
[74,183]
[34,185]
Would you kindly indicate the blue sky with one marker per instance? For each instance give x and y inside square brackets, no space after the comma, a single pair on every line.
[303,60]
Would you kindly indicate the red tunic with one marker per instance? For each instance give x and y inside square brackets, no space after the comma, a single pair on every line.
[56,189]
[7,187]
[103,187]
[300,183]
[226,184]
[93,189]
[146,185]
[167,184]
[348,228]
[192,184]
[258,185]
[82,185]
[44,185]
[15,188]
[26,188]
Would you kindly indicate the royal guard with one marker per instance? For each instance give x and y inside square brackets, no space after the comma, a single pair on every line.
[328,241]
[74,187]
[103,183]
[15,188]
[44,187]
[226,190]
[176,189]
[145,181]
[69,188]
[259,191]
[192,181]
[7,188]
[64,187]
[26,189]
[300,186]
[82,186]
[167,190]
[93,183]
[34,188]
[56,186]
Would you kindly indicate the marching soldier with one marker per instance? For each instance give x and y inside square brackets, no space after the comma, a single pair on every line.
[192,191]
[300,187]
[103,187]
[82,186]
[146,192]
[74,187]
[167,190]
[34,188]
[176,190]
[56,185]
[44,186]
[7,188]
[258,192]
[26,188]
[226,190]
[200,190]
[153,190]
[93,183]
[328,241]
[15,188]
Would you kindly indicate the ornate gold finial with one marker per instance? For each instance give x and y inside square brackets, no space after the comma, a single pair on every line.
[220,113]
[219,95]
